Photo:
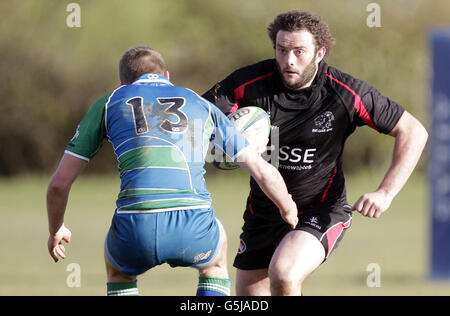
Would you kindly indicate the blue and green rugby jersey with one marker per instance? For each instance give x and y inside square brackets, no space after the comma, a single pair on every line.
[160,134]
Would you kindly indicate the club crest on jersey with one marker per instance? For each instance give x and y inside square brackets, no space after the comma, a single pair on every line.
[323,122]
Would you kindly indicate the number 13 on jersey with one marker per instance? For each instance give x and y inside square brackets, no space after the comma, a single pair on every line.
[174,106]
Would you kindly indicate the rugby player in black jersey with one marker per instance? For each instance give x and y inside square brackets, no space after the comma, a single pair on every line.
[313,108]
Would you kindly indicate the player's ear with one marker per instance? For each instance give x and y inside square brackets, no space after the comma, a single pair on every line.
[166,74]
[321,54]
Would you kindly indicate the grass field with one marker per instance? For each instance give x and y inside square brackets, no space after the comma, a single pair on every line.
[398,242]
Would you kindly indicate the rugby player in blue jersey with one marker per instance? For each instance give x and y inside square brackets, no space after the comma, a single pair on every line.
[160,135]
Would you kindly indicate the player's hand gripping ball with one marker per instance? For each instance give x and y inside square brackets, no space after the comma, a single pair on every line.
[254,124]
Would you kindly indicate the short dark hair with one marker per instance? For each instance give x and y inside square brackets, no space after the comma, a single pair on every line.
[296,20]
[138,61]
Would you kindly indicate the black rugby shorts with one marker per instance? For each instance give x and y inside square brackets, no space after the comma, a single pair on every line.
[264,229]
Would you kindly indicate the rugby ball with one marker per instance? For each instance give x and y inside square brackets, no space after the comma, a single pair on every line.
[253,122]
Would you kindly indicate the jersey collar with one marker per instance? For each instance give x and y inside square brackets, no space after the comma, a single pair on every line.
[152,78]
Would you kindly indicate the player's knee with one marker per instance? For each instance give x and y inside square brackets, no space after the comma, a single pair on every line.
[285,277]
[284,283]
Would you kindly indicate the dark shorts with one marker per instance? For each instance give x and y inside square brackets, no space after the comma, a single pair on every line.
[264,230]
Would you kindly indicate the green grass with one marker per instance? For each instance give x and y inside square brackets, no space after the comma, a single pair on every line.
[398,241]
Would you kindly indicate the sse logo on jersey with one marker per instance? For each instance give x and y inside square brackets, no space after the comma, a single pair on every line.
[296,154]
[303,158]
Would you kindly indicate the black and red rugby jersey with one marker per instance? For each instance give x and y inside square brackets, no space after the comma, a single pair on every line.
[312,123]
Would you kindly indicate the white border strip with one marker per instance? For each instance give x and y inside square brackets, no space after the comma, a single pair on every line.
[181,208]
[76,155]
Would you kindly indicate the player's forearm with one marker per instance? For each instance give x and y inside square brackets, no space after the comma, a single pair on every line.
[268,178]
[272,184]
[70,167]
[409,144]
[57,197]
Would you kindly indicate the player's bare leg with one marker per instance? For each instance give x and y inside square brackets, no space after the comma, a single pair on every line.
[252,282]
[213,278]
[218,267]
[115,275]
[120,284]
[298,254]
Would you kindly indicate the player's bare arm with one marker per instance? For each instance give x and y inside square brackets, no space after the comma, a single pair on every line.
[410,139]
[58,190]
[271,182]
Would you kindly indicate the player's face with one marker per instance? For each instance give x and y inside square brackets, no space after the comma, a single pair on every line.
[297,58]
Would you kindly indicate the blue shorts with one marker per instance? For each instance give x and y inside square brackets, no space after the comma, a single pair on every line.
[138,242]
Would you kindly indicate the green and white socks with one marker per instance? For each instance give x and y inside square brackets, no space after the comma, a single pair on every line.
[206,287]
[213,287]
[122,289]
